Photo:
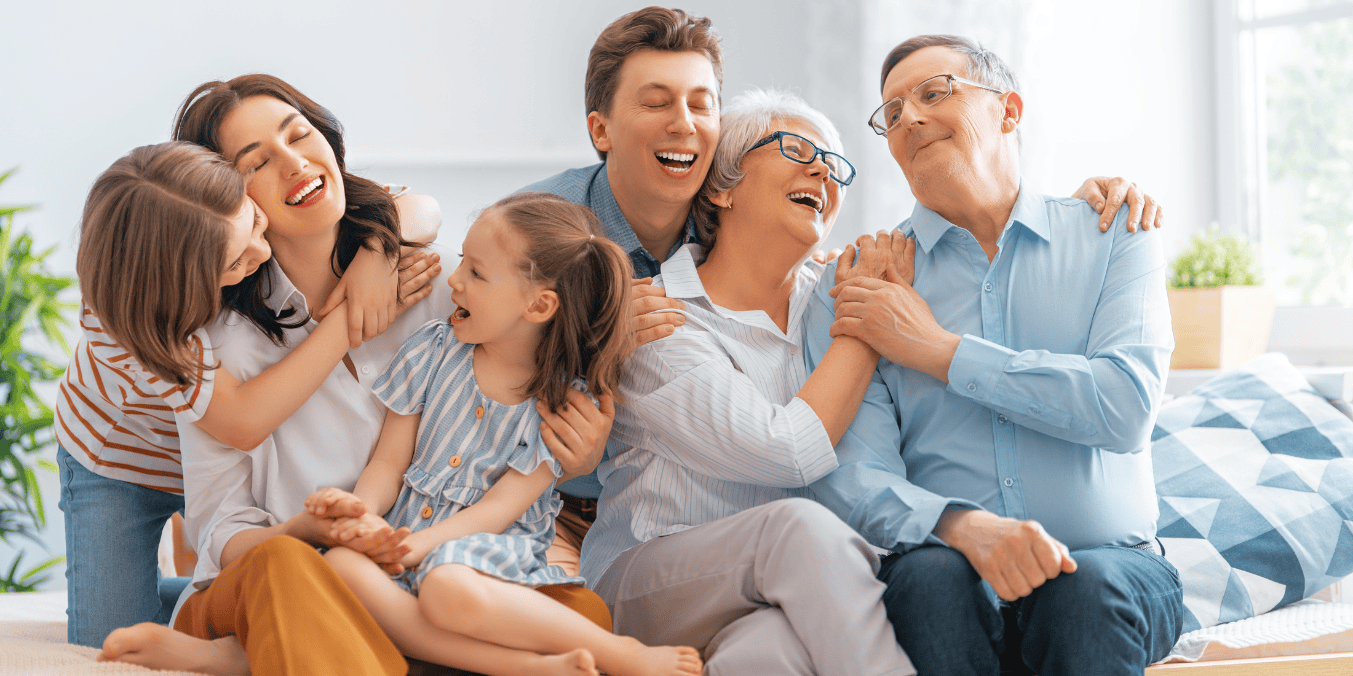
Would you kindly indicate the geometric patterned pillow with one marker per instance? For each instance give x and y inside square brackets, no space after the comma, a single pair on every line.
[1254,474]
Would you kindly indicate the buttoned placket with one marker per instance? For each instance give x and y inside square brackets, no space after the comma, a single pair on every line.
[993,329]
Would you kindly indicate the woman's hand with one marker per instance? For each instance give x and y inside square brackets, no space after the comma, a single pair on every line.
[334,502]
[889,256]
[371,535]
[648,298]
[373,287]
[577,434]
[1105,195]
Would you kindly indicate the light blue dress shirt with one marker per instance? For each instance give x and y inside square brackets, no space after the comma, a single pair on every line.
[709,423]
[590,187]
[1052,394]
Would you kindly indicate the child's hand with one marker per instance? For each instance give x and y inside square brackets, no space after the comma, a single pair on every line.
[373,536]
[333,503]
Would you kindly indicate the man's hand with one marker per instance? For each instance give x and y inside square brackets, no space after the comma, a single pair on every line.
[889,256]
[1105,195]
[894,320]
[576,435]
[648,298]
[1014,557]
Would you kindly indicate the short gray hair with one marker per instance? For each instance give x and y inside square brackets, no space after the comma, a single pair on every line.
[983,64]
[746,120]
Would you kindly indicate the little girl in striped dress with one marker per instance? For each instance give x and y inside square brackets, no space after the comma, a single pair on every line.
[542,301]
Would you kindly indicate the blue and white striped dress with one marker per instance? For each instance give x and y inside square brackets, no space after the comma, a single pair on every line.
[466,442]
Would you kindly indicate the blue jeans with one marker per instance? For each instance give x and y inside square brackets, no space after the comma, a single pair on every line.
[112,553]
[1119,612]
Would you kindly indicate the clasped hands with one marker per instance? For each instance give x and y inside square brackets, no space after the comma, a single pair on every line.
[876,304]
[342,519]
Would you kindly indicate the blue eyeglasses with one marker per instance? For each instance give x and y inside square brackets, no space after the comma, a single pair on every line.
[801,150]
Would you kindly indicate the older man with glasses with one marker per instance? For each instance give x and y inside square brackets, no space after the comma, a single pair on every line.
[1001,451]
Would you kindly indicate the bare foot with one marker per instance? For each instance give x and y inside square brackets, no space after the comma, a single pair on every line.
[576,663]
[159,647]
[638,659]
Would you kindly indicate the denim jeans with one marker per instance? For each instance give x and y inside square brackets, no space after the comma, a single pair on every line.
[112,553]
[1119,612]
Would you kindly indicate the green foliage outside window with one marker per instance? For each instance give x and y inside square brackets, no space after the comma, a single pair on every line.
[28,308]
[1311,141]
[1217,260]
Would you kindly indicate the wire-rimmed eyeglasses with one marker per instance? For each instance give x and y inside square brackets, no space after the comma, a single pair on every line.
[923,95]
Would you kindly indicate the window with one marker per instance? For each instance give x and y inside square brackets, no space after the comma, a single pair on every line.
[1288,142]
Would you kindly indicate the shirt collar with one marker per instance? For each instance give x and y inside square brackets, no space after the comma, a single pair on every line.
[679,276]
[1029,212]
[281,292]
[618,229]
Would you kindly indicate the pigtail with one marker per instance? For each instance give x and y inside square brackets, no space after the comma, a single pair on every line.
[589,335]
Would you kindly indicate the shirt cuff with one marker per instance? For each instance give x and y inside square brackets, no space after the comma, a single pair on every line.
[977,367]
[817,455]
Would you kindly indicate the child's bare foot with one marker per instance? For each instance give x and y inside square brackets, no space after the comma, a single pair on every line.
[159,647]
[638,659]
[576,663]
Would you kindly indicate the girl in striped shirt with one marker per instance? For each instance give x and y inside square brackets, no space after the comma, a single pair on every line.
[167,231]
[542,300]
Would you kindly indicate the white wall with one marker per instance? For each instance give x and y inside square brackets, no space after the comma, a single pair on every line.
[467,101]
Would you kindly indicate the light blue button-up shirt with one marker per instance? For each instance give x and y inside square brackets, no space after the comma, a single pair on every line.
[590,187]
[1052,394]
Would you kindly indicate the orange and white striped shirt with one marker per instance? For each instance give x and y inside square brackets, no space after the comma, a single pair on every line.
[118,419]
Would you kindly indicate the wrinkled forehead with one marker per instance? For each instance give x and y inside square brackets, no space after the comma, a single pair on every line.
[922,65]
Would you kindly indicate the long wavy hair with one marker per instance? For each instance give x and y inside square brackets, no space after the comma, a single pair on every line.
[369,221]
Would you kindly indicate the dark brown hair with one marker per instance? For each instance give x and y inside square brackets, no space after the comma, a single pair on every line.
[670,30]
[565,250]
[152,249]
[369,220]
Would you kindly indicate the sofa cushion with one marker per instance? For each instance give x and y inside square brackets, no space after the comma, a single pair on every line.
[1254,474]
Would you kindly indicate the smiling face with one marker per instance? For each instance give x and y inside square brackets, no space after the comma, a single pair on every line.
[290,168]
[798,200]
[963,131]
[660,133]
[246,249]
[491,294]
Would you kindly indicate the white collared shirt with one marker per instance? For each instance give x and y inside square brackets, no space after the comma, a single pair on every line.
[710,423]
[327,442]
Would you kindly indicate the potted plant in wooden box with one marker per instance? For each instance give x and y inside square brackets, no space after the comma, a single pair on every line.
[1222,313]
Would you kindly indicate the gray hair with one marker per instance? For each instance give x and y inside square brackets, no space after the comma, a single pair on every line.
[983,64]
[746,120]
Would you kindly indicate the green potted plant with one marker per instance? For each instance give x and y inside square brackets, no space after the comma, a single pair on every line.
[1221,311]
[29,308]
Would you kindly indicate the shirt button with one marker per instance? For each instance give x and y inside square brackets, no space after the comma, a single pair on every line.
[1000,419]
[479,412]
[427,512]
[366,369]
[1033,409]
[988,287]
[454,461]
[1009,482]
[972,387]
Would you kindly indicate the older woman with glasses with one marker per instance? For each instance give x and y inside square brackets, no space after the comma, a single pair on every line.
[704,536]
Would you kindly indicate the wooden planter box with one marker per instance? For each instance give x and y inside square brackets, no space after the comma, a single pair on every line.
[1220,327]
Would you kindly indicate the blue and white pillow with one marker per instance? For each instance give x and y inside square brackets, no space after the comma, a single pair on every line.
[1254,473]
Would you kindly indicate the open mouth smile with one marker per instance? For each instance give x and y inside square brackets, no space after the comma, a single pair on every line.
[460,315]
[808,199]
[307,192]
[677,163]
